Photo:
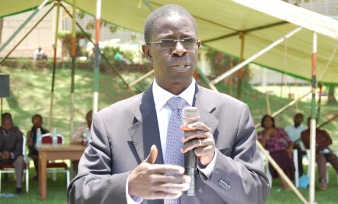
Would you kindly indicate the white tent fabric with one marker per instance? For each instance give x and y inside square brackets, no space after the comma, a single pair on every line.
[220,23]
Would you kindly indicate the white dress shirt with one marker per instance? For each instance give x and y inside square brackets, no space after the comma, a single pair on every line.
[295,132]
[163,112]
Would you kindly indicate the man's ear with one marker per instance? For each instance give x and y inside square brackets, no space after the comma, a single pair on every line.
[147,53]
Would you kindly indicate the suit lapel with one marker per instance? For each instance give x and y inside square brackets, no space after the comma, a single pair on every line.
[144,131]
[205,106]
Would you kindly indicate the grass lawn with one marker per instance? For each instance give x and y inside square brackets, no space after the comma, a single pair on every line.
[56,190]
[30,94]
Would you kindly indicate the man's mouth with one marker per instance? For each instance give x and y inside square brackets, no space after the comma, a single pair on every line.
[181,67]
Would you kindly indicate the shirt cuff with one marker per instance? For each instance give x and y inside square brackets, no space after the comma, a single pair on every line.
[207,170]
[134,199]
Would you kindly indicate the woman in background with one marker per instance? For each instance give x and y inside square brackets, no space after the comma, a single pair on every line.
[279,145]
[31,140]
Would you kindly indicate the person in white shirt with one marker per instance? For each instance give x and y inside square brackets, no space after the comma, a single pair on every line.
[39,54]
[294,131]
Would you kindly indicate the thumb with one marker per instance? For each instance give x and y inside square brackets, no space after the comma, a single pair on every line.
[152,155]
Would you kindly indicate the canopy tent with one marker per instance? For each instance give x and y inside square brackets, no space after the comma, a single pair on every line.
[262,22]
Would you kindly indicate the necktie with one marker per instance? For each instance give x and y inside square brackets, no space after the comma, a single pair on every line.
[174,144]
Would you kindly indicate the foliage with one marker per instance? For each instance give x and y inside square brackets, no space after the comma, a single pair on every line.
[66,38]
[221,62]
[331,95]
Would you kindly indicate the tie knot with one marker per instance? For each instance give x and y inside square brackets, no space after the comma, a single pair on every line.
[176,103]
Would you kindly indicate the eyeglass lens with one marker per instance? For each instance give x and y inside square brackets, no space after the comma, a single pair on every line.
[169,43]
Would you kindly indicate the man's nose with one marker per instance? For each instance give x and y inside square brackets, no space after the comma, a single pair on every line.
[179,49]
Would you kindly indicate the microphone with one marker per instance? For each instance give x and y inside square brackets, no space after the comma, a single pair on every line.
[190,115]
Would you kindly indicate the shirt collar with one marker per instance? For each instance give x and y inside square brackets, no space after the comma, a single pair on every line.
[161,96]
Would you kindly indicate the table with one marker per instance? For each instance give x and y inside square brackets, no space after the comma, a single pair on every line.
[50,152]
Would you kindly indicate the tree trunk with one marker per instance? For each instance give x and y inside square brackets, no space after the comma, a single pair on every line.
[331,98]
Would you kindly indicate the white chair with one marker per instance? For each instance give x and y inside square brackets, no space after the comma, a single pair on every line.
[9,168]
[56,167]
[265,162]
[327,166]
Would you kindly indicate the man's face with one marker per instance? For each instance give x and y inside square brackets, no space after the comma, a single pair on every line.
[298,119]
[7,124]
[174,67]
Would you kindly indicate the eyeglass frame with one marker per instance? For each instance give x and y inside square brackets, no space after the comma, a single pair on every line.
[196,40]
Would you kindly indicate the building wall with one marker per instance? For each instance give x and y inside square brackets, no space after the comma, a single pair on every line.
[42,36]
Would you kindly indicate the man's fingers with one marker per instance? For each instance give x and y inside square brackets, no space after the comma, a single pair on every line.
[152,155]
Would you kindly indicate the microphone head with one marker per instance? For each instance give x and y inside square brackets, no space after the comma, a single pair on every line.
[190,115]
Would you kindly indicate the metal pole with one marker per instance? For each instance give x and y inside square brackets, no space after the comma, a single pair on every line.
[141,78]
[313,122]
[97,55]
[3,59]
[50,120]
[247,61]
[102,55]
[73,54]
[24,24]
[328,121]
[319,102]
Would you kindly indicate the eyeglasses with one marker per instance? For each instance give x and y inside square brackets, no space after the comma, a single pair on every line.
[170,43]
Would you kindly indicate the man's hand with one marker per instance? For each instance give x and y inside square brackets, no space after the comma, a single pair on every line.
[151,181]
[199,138]
[5,155]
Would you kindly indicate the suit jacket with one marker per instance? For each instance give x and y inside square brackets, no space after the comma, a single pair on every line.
[12,143]
[123,133]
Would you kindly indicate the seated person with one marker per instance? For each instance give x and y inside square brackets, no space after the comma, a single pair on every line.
[323,152]
[31,141]
[76,137]
[293,131]
[11,141]
[279,145]
[39,54]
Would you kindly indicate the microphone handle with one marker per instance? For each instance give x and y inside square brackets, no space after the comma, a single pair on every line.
[190,170]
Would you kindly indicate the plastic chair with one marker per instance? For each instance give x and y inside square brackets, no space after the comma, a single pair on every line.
[265,162]
[55,167]
[327,166]
[9,168]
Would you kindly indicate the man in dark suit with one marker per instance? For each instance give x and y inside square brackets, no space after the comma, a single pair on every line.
[11,141]
[126,158]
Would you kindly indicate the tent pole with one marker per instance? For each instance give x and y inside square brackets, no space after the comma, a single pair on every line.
[289,105]
[141,78]
[73,54]
[281,172]
[247,61]
[285,107]
[24,24]
[102,55]
[50,120]
[241,71]
[313,122]
[26,34]
[328,121]
[268,102]
[97,55]
[319,102]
